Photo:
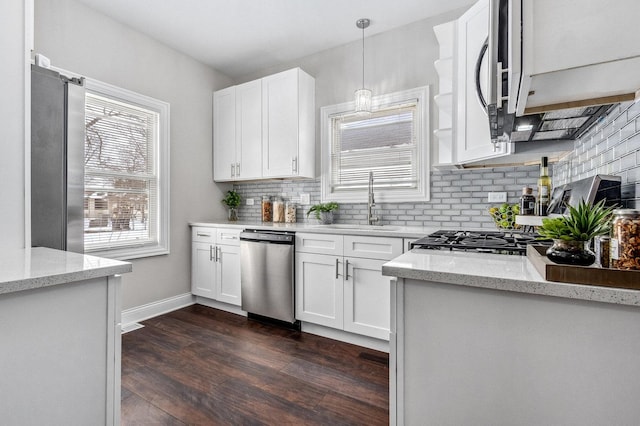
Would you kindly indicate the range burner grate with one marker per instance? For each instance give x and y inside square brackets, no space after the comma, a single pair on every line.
[477,241]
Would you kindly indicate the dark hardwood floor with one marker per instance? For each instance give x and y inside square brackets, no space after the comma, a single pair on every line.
[203,366]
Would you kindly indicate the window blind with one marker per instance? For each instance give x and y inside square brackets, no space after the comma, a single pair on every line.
[384,142]
[121,176]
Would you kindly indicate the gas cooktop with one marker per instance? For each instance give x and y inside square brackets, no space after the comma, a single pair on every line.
[476,241]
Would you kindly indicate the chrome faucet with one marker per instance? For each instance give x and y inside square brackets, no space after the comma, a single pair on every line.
[371,219]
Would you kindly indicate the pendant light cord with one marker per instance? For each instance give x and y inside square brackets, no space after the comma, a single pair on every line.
[363,27]
[362,24]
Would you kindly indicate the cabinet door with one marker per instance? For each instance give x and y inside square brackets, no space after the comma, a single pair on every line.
[280,123]
[224,134]
[319,293]
[473,140]
[203,270]
[249,130]
[366,298]
[228,274]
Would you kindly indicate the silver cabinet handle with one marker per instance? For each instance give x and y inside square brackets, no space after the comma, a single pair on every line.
[337,265]
[210,252]
[200,234]
[237,169]
[346,270]
[233,170]
[294,164]
[227,237]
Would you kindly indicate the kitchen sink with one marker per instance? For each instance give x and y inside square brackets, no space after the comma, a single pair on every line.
[377,228]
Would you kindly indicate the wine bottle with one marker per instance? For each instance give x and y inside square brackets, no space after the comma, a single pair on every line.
[544,188]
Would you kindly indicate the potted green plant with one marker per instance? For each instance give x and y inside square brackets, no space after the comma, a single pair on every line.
[572,233]
[232,201]
[323,212]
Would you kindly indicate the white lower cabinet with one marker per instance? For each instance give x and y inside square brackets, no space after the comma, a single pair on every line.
[228,275]
[345,292]
[366,298]
[215,264]
[203,270]
[319,295]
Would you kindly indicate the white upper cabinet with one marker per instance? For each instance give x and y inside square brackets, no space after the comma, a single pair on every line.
[265,128]
[472,137]
[224,134]
[288,106]
[249,130]
[576,51]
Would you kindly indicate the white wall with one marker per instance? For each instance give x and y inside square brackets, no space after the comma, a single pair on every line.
[12,124]
[81,40]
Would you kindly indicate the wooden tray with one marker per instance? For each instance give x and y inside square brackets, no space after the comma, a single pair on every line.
[591,275]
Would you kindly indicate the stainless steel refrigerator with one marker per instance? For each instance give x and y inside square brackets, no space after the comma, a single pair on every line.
[57,160]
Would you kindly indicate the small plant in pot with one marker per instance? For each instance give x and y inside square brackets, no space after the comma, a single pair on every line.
[571,234]
[323,212]
[232,201]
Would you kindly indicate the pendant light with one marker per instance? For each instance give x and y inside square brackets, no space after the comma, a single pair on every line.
[363,95]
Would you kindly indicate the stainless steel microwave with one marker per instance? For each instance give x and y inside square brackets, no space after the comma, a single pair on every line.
[534,94]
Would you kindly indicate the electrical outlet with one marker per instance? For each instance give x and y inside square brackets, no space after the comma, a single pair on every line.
[497,197]
[250,201]
[305,199]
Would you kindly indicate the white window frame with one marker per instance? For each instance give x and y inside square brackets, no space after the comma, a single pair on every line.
[161,246]
[421,192]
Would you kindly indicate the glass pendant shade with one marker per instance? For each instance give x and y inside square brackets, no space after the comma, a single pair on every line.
[363,100]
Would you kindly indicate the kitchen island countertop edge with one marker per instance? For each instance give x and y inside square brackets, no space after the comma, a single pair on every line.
[38,267]
[497,272]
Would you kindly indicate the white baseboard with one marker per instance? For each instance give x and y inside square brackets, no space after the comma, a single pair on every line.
[220,305]
[344,336]
[153,309]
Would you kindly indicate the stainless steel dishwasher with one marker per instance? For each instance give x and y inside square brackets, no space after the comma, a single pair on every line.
[267,274]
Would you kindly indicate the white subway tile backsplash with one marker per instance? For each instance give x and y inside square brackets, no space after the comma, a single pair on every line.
[459,197]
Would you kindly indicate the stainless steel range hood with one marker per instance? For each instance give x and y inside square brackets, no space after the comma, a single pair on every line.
[563,124]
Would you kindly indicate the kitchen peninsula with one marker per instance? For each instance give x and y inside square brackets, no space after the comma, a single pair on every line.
[482,339]
[60,328]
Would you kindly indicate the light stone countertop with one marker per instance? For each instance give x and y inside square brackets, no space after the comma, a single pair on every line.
[345,229]
[499,272]
[31,268]
[493,271]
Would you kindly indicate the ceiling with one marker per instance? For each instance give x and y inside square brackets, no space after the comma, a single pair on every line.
[239,37]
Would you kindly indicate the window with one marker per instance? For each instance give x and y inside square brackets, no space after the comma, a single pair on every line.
[126,183]
[391,142]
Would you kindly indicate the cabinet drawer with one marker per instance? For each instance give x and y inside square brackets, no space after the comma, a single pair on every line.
[383,248]
[203,235]
[228,236]
[319,243]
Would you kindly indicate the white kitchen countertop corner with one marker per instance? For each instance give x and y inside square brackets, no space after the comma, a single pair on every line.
[498,272]
[31,268]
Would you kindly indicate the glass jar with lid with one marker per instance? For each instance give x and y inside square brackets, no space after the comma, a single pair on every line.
[625,244]
[267,210]
[278,210]
[290,212]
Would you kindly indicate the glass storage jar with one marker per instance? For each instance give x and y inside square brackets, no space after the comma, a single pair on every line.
[290,212]
[278,210]
[267,209]
[625,244]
